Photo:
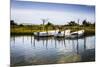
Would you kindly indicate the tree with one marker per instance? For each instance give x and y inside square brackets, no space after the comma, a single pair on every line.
[72,23]
[49,24]
[85,23]
[94,24]
[12,22]
[22,25]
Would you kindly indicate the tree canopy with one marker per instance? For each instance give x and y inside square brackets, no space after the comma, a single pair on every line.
[12,22]
[72,23]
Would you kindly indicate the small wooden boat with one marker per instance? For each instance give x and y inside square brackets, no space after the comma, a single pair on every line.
[61,34]
[41,34]
[76,34]
[45,34]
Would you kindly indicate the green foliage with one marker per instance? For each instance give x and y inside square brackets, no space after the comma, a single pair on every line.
[49,24]
[85,23]
[72,23]
[12,22]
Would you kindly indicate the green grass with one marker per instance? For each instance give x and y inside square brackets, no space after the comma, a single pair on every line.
[89,30]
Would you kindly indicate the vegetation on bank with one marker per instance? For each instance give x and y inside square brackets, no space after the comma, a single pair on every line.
[29,29]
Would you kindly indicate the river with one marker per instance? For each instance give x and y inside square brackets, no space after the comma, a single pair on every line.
[27,50]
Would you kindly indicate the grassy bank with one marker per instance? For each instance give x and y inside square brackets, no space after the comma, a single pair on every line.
[27,30]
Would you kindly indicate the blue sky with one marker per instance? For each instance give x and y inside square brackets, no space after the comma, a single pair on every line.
[33,12]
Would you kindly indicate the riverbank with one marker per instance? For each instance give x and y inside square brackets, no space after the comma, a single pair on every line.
[30,31]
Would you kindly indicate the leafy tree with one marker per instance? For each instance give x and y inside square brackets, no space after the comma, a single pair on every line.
[85,23]
[94,24]
[12,22]
[72,23]
[49,24]
[21,25]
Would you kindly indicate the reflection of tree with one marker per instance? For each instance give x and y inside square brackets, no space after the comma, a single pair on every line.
[64,43]
[34,43]
[73,44]
[85,23]
[45,41]
[51,40]
[47,44]
[55,43]
[84,42]
[77,47]
[23,39]
[31,39]
[14,39]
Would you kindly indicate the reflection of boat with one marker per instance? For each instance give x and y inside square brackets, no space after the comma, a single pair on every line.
[43,38]
[76,34]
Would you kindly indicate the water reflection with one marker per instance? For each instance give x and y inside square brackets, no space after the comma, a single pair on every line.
[51,50]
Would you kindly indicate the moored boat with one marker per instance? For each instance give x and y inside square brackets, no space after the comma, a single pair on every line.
[45,34]
[76,34]
[61,34]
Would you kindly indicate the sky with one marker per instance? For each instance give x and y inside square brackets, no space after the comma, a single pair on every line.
[34,12]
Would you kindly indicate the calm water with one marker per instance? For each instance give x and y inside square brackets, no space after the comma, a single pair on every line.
[27,50]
